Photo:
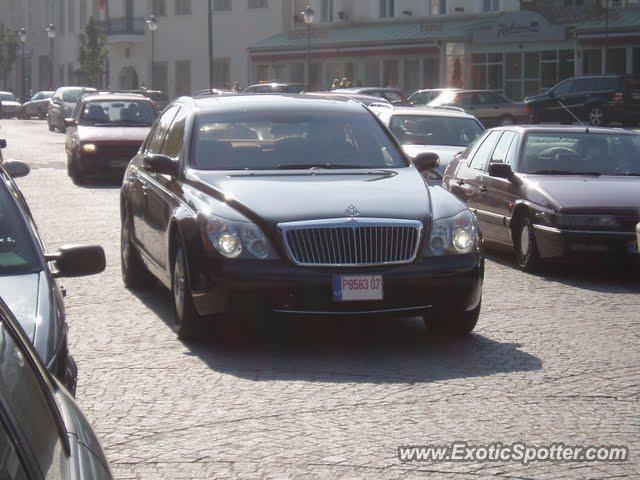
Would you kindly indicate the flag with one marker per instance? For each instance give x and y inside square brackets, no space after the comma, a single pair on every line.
[102,4]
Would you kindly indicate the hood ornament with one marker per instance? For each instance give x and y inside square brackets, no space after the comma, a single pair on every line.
[352,211]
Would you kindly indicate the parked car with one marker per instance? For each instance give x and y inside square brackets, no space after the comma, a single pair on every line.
[29,273]
[276,88]
[553,193]
[368,100]
[491,108]
[37,106]
[105,133]
[392,95]
[9,105]
[598,100]
[295,205]
[62,105]
[43,433]
[423,97]
[421,130]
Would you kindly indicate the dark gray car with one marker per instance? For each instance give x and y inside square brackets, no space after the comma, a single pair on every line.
[62,105]
[43,433]
[37,106]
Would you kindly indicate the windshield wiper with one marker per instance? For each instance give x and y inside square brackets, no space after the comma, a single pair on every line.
[563,172]
[318,166]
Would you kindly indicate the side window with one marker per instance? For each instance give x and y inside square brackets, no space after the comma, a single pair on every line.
[584,85]
[462,99]
[502,148]
[161,129]
[175,138]
[563,88]
[11,467]
[481,157]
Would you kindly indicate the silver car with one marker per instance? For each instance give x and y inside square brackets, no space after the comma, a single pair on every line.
[491,108]
[445,132]
[9,105]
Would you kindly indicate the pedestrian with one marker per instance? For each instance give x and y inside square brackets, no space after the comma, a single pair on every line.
[335,84]
[349,84]
[343,83]
[236,87]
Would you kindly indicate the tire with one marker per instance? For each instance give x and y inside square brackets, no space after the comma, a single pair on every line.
[506,120]
[73,170]
[452,324]
[525,246]
[596,116]
[186,320]
[135,276]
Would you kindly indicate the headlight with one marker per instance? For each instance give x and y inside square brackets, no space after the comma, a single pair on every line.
[231,238]
[588,221]
[89,148]
[455,235]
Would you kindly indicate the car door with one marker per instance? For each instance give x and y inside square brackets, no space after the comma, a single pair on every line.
[498,195]
[468,180]
[160,200]
[141,181]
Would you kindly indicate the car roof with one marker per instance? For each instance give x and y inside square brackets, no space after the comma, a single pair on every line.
[438,90]
[279,102]
[567,129]
[114,97]
[277,84]
[365,89]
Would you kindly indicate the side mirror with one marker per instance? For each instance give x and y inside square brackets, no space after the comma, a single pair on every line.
[500,170]
[162,164]
[426,161]
[69,122]
[78,260]
[16,169]
[3,143]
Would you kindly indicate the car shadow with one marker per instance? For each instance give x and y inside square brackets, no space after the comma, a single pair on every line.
[100,184]
[387,350]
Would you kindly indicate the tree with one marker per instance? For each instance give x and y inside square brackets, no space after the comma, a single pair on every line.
[93,52]
[8,53]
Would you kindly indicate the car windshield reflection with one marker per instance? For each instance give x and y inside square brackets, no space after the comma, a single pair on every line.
[118,113]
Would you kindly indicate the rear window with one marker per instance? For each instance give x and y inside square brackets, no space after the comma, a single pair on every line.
[435,130]
[7,97]
[118,112]
[71,96]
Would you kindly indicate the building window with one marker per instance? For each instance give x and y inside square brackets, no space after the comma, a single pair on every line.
[296,73]
[636,61]
[83,13]
[487,71]
[262,73]
[617,61]
[430,72]
[183,7]
[221,5]
[222,73]
[592,62]
[258,4]
[491,5]
[160,76]
[183,77]
[72,16]
[326,10]
[387,8]
[160,8]
[437,7]
[411,74]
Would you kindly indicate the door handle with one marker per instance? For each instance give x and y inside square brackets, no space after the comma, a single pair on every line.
[483,189]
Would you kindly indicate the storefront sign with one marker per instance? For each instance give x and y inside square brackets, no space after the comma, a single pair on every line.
[520,26]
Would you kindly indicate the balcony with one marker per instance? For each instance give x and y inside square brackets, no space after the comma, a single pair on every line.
[124,29]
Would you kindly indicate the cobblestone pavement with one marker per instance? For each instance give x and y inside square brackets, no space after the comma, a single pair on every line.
[555,358]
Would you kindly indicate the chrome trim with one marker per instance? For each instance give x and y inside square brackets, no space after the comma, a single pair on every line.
[318,250]
[355,312]
[545,228]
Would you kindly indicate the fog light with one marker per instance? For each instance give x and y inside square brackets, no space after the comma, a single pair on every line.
[89,148]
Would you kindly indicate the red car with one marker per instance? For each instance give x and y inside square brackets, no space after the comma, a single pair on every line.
[105,132]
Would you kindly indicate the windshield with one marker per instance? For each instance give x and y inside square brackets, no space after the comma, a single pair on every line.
[72,96]
[137,113]
[581,153]
[7,97]
[17,255]
[276,140]
[434,130]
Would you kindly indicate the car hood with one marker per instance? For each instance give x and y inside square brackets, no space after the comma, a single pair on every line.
[445,152]
[291,196]
[582,192]
[110,134]
[20,293]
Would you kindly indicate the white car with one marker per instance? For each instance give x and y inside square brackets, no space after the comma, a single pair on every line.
[10,106]
[443,131]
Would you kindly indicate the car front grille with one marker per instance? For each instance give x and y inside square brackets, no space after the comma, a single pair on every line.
[117,152]
[352,242]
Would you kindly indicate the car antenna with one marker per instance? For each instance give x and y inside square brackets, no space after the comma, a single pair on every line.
[572,114]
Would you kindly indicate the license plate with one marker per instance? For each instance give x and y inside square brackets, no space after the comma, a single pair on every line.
[357,288]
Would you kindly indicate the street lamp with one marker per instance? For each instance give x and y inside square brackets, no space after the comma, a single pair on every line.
[51,32]
[152,23]
[308,19]
[22,36]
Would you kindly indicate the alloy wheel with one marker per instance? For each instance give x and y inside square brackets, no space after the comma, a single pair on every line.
[179,286]
[596,116]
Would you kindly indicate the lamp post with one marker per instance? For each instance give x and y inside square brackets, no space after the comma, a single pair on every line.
[51,32]
[22,36]
[308,19]
[210,27]
[152,23]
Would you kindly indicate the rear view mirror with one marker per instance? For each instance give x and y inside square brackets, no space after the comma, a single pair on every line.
[162,164]
[426,161]
[78,260]
[500,170]
[16,169]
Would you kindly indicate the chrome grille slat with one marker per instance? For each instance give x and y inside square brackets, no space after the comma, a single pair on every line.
[352,242]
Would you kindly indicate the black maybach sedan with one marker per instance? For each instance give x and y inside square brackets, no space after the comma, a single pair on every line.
[297,205]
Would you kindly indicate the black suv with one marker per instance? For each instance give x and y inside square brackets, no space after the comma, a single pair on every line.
[599,100]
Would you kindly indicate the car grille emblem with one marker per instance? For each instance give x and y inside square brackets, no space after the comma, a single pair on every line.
[352,211]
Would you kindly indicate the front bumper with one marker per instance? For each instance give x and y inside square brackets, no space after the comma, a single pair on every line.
[95,164]
[449,283]
[558,244]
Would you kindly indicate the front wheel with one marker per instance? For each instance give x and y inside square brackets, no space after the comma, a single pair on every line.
[526,248]
[186,319]
[454,324]
[596,116]
[73,170]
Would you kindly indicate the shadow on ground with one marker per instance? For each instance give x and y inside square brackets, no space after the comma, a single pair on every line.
[389,350]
